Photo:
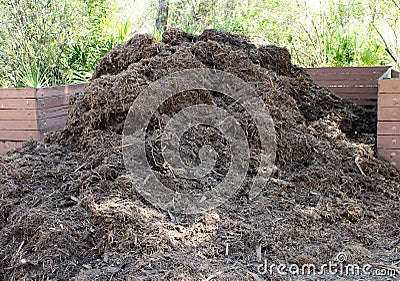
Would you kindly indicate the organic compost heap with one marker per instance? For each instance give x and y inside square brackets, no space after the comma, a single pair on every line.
[68,210]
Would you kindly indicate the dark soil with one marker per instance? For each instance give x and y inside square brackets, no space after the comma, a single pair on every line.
[69,211]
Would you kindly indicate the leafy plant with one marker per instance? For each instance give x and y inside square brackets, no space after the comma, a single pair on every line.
[32,76]
[45,43]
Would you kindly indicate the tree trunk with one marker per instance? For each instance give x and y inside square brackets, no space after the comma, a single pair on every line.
[162,15]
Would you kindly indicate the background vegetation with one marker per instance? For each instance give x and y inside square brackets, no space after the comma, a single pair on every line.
[47,42]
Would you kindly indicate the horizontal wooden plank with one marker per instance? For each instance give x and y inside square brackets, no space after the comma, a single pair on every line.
[8,145]
[388,128]
[391,155]
[377,70]
[53,124]
[367,78]
[24,93]
[19,135]
[52,112]
[31,114]
[389,141]
[366,102]
[352,90]
[60,90]
[388,113]
[26,114]
[17,93]
[389,100]
[358,95]
[17,104]
[389,86]
[359,84]
[53,102]
[348,83]
[18,125]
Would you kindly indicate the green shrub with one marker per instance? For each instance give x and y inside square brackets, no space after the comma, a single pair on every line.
[61,44]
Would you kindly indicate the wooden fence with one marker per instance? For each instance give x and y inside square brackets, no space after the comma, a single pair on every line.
[30,113]
[359,84]
[371,87]
[388,143]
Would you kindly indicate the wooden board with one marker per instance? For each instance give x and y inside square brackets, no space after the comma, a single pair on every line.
[391,155]
[50,102]
[371,83]
[366,102]
[13,114]
[359,84]
[389,113]
[18,93]
[375,70]
[388,141]
[18,125]
[389,100]
[13,135]
[389,86]
[388,128]
[19,104]
[60,91]
[52,112]
[52,124]
[355,95]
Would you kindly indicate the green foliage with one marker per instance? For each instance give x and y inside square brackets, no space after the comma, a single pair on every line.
[191,16]
[32,76]
[351,50]
[101,32]
[31,42]
[46,43]
[317,33]
[82,56]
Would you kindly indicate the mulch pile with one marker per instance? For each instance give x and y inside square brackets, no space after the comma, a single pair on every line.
[69,211]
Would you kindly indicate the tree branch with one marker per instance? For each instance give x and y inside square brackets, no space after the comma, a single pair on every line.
[387,49]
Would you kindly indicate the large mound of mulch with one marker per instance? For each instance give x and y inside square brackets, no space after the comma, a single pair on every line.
[68,210]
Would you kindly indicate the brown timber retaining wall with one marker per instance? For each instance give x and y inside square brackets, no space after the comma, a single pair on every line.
[359,84]
[28,113]
[371,87]
[388,143]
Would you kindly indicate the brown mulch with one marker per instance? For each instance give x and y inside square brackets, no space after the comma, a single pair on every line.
[69,211]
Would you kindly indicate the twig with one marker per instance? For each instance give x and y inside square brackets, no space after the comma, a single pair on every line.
[358,166]
[279,192]
[80,167]
[397,4]
[281,182]
[19,248]
[387,49]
